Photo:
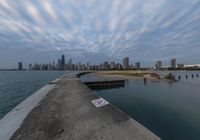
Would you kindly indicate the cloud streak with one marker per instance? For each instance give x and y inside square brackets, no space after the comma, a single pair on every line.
[144,30]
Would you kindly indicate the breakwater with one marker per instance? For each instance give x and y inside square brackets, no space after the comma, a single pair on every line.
[68,112]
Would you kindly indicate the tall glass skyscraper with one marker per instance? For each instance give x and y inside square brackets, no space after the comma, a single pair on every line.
[173,63]
[63,60]
[20,66]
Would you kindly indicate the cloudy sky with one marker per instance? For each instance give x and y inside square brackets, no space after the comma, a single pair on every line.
[98,30]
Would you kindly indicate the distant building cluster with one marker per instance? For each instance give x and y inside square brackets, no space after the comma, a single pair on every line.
[173,65]
[62,64]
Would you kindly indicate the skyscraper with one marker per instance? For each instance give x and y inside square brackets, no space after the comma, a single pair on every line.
[105,65]
[53,65]
[137,65]
[125,63]
[70,64]
[112,65]
[173,63]
[30,67]
[158,64]
[88,65]
[62,61]
[20,66]
[59,63]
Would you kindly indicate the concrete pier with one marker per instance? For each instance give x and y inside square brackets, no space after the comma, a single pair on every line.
[67,113]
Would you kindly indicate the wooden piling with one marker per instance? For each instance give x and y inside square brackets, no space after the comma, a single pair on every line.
[145,80]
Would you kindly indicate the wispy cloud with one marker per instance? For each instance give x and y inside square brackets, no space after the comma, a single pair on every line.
[141,29]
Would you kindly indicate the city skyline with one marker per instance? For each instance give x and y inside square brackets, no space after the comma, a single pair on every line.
[96,31]
[126,63]
[63,64]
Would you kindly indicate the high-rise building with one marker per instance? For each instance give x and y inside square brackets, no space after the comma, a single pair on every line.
[53,65]
[30,67]
[70,64]
[59,63]
[112,65]
[173,63]
[62,60]
[118,66]
[105,65]
[158,64]
[137,65]
[125,63]
[20,66]
[88,66]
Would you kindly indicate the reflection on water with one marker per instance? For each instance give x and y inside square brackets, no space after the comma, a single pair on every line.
[170,110]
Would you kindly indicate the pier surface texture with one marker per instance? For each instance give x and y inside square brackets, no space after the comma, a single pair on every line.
[67,113]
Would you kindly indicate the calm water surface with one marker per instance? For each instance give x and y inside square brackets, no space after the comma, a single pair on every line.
[170,110]
[15,86]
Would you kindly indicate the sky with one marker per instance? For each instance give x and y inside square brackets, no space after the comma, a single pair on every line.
[99,30]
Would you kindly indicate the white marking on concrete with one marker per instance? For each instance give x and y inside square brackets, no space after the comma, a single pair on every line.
[12,121]
[100,102]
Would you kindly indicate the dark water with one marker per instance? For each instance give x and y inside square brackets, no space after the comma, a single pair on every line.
[15,86]
[170,110]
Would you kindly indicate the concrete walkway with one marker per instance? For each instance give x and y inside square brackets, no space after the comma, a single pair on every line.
[66,113]
[12,121]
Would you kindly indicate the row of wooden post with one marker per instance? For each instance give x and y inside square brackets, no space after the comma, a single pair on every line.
[179,77]
[186,76]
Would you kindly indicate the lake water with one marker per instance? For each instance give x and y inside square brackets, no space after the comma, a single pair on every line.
[15,86]
[169,109]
